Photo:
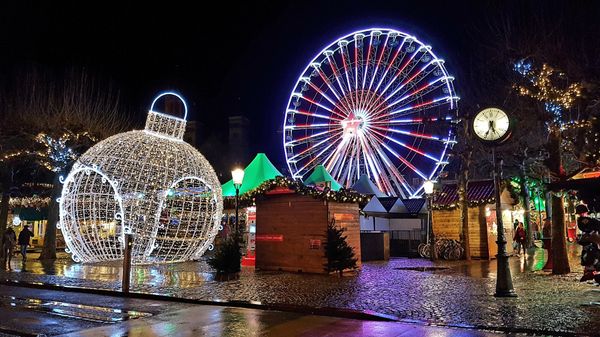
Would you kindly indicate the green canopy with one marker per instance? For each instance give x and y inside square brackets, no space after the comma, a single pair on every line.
[320,175]
[258,171]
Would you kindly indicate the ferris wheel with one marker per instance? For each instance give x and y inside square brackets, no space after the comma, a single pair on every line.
[377,102]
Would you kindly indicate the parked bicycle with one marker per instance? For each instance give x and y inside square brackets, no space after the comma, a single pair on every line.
[447,249]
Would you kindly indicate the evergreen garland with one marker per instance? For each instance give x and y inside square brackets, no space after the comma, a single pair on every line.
[343,195]
[340,256]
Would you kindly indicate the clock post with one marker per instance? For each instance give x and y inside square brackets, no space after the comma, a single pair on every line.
[504,285]
[492,127]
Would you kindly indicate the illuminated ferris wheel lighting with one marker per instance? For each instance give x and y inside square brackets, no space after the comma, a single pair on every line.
[376,102]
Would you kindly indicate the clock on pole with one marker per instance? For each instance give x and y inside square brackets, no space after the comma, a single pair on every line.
[492,126]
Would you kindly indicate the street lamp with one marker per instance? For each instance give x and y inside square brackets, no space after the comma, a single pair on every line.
[238,177]
[428,187]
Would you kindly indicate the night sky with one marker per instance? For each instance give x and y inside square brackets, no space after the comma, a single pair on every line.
[231,59]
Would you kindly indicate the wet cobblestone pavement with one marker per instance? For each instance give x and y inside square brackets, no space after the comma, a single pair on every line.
[461,295]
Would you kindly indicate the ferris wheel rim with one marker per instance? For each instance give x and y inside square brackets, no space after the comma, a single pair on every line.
[337,45]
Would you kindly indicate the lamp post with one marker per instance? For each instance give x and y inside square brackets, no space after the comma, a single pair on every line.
[428,187]
[238,177]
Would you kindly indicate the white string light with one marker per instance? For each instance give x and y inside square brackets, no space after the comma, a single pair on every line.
[149,183]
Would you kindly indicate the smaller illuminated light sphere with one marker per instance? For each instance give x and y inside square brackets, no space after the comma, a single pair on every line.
[149,183]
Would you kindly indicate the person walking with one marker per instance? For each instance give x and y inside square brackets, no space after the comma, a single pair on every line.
[9,241]
[520,238]
[590,240]
[24,238]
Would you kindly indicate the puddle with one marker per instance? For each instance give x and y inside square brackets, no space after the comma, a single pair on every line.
[422,268]
[91,313]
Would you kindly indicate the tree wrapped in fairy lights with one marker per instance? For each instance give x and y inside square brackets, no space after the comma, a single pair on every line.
[149,183]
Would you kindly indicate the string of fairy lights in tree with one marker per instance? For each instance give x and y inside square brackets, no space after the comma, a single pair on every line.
[541,86]
[56,152]
[29,202]
[343,195]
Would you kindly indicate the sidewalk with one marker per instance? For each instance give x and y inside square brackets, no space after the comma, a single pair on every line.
[458,294]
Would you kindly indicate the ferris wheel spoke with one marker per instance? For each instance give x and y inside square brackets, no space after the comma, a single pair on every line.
[312,114]
[399,71]
[336,70]
[410,133]
[315,157]
[366,72]
[415,79]
[305,139]
[345,62]
[420,92]
[405,161]
[325,79]
[313,148]
[390,64]
[396,177]
[411,121]
[411,109]
[370,164]
[323,94]
[322,106]
[406,146]
[378,109]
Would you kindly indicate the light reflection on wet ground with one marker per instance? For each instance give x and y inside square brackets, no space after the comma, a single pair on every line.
[91,313]
[461,294]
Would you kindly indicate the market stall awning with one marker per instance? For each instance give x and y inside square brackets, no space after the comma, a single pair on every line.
[320,175]
[365,186]
[258,171]
[31,214]
[477,191]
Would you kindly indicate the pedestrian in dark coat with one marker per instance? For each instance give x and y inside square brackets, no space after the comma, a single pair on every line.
[520,238]
[24,238]
[9,241]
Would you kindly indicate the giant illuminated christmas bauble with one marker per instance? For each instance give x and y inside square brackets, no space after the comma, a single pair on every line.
[149,183]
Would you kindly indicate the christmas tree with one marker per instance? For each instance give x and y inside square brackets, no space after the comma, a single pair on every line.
[340,256]
[228,256]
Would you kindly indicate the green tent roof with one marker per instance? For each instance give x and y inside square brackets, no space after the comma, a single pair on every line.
[258,171]
[320,175]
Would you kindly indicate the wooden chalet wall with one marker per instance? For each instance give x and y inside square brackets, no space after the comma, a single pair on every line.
[291,231]
[346,216]
[447,224]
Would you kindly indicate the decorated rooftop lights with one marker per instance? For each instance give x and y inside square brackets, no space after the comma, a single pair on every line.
[149,183]
[377,102]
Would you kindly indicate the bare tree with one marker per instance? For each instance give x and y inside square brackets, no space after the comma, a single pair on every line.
[55,122]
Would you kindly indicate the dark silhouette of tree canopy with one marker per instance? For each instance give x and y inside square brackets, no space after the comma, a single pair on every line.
[50,123]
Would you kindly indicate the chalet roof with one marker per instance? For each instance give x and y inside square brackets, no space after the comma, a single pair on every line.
[258,171]
[394,205]
[365,186]
[320,175]
[414,205]
[387,202]
[477,191]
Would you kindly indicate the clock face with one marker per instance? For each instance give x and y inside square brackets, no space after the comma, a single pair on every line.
[491,124]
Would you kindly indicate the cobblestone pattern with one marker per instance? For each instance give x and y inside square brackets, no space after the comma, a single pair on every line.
[461,295]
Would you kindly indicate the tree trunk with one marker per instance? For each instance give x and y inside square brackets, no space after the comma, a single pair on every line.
[526,207]
[559,243]
[4,210]
[49,249]
[464,212]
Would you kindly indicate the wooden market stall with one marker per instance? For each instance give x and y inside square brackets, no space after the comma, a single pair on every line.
[446,217]
[293,225]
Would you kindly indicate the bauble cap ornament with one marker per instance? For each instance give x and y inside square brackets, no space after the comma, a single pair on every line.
[149,183]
